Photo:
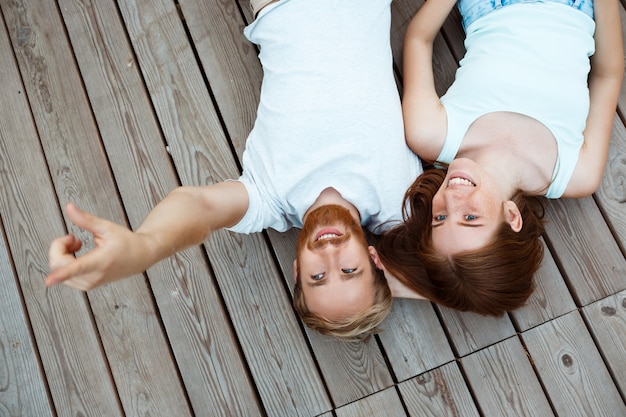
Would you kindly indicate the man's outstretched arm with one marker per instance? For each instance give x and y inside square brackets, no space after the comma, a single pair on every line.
[186,217]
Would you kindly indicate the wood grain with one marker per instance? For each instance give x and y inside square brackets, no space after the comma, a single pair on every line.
[607,322]
[413,339]
[550,299]
[229,61]
[470,332]
[22,391]
[571,369]
[584,249]
[504,383]
[611,196]
[382,404]
[441,392]
[75,367]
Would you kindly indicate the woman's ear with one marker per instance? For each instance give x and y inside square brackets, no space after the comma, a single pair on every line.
[513,216]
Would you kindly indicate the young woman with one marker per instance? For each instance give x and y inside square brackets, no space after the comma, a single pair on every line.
[528,116]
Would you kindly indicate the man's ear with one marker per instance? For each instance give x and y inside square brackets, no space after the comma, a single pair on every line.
[513,216]
[295,269]
[375,257]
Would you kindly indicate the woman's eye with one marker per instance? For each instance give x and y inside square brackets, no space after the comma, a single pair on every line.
[470,217]
[317,277]
[349,270]
[440,218]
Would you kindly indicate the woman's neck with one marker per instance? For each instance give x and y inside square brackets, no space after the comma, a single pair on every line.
[519,151]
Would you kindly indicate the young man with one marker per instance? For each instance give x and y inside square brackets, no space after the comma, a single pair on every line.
[327,154]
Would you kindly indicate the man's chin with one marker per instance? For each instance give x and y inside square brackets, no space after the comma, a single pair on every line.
[332,218]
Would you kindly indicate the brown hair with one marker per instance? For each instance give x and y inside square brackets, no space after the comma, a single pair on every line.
[490,281]
[355,327]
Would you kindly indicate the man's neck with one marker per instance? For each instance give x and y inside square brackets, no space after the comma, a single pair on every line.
[331,196]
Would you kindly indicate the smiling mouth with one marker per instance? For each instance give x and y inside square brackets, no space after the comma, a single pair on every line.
[327,236]
[461,181]
[328,233]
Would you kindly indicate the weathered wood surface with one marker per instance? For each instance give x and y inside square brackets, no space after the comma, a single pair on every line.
[441,392]
[113,104]
[502,378]
[573,373]
[607,321]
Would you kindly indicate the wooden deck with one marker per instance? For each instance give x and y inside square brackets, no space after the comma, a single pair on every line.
[112,105]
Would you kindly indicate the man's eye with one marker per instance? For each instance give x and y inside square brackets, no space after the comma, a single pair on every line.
[317,277]
[349,270]
[470,217]
[440,218]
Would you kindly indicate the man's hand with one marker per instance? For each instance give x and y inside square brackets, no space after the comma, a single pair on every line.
[118,253]
[185,217]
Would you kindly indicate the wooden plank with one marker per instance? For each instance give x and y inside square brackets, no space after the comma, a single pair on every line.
[22,383]
[584,249]
[413,339]
[611,195]
[551,297]
[441,392]
[571,369]
[214,374]
[125,313]
[75,368]
[384,403]
[351,370]
[444,63]
[269,333]
[229,61]
[454,33]
[607,321]
[470,332]
[247,10]
[504,383]
[23,388]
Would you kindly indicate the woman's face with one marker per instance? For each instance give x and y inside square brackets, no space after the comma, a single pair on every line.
[468,209]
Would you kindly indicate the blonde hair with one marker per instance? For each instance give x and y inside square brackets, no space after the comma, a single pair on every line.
[356,327]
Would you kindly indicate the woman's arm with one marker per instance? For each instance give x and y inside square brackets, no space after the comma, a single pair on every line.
[186,217]
[424,116]
[605,80]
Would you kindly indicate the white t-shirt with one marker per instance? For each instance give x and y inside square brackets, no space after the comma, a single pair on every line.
[329,114]
[528,58]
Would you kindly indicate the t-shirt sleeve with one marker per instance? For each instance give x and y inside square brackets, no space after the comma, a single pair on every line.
[261,213]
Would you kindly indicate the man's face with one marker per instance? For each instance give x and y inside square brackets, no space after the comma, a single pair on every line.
[334,264]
